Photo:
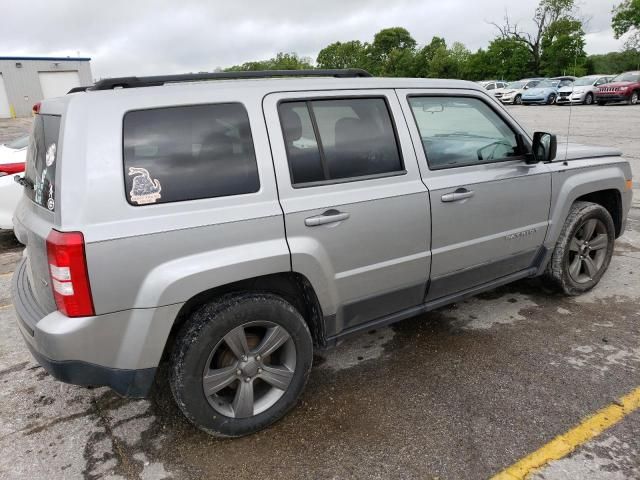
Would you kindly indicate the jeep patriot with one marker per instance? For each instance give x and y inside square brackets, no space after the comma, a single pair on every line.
[228,224]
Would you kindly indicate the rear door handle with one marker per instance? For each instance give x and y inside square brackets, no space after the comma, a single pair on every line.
[459,194]
[330,216]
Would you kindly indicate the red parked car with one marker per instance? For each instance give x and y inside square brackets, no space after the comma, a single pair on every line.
[622,88]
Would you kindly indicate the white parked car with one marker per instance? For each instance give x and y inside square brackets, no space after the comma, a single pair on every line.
[12,161]
[512,93]
[493,85]
[583,90]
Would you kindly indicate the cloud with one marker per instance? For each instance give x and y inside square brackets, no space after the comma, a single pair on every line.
[144,37]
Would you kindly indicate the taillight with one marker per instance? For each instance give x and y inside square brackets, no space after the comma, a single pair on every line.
[10,168]
[36,108]
[69,275]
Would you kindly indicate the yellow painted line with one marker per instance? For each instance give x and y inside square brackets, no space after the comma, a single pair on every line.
[8,305]
[564,444]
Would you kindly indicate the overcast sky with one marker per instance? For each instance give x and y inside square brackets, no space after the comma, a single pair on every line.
[138,37]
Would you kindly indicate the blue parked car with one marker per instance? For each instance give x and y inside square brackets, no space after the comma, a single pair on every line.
[546,91]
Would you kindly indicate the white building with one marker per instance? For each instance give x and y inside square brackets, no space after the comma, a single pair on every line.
[24,81]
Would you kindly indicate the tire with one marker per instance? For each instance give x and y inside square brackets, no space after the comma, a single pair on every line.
[561,271]
[517,100]
[588,99]
[633,99]
[551,99]
[601,103]
[203,355]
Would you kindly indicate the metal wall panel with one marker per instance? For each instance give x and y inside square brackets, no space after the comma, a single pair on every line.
[22,81]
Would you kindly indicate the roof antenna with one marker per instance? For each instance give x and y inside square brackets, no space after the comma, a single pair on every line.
[573,86]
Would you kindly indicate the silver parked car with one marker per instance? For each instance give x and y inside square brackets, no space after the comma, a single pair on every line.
[229,224]
[583,90]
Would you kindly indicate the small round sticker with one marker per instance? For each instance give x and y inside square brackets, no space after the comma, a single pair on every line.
[51,204]
[51,155]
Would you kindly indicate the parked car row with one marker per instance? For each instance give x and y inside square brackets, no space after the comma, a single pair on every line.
[587,90]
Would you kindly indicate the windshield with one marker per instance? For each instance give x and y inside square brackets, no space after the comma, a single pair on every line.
[515,85]
[18,143]
[581,82]
[627,77]
[548,84]
[566,83]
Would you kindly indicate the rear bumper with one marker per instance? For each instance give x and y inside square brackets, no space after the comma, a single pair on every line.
[120,350]
[128,383]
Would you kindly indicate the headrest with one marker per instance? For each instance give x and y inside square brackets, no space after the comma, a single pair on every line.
[291,123]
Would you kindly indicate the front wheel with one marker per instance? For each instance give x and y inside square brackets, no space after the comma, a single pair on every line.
[601,103]
[240,363]
[588,99]
[517,100]
[551,99]
[583,251]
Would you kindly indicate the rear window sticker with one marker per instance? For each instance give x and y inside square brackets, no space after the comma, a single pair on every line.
[144,190]
[51,204]
[50,156]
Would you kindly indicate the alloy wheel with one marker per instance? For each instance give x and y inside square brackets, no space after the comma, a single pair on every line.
[249,369]
[588,100]
[518,100]
[588,250]
[634,98]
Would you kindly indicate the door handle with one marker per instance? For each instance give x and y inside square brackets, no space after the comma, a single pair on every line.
[330,216]
[459,194]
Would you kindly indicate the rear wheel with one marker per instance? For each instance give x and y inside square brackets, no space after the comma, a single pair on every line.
[583,251]
[588,99]
[240,363]
[633,100]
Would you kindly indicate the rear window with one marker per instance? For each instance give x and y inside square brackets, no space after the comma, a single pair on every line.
[188,153]
[42,161]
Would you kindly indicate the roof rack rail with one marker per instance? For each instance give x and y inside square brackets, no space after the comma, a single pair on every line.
[153,81]
[78,89]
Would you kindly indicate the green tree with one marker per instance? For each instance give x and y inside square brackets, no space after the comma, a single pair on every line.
[282,61]
[391,52]
[546,15]
[563,49]
[626,19]
[350,54]
[508,58]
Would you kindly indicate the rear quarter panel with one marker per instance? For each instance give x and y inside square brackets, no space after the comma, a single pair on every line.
[161,254]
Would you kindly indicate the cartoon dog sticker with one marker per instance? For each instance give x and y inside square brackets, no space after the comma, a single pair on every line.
[144,189]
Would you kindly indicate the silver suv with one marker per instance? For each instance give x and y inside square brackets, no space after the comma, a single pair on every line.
[228,224]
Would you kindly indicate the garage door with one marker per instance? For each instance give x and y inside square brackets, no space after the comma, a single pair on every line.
[57,84]
[5,111]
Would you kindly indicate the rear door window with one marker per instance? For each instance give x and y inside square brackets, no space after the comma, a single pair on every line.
[42,160]
[188,153]
[339,139]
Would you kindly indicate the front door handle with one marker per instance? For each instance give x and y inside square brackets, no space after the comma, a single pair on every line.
[330,216]
[459,194]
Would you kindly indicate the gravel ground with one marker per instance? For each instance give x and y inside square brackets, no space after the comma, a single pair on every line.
[459,393]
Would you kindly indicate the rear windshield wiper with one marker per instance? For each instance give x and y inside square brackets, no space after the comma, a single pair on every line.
[25,182]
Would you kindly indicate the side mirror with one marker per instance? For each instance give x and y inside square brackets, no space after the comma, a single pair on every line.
[526,87]
[544,146]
